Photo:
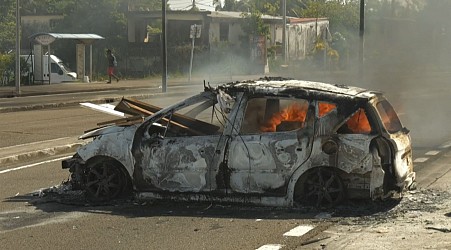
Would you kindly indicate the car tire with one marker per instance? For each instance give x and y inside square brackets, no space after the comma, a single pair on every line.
[105,180]
[321,187]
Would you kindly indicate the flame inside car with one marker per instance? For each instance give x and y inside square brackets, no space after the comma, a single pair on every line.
[295,113]
[358,123]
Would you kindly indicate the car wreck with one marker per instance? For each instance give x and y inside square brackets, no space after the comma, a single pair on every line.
[272,141]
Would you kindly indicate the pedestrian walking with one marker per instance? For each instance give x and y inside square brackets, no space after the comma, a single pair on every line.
[112,63]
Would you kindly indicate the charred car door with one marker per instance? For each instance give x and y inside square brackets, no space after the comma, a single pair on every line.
[346,135]
[275,137]
[178,149]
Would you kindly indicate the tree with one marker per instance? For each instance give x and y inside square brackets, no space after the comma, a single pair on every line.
[253,24]
[7,25]
[343,17]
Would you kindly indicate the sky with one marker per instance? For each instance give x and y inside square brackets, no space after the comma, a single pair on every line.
[186,4]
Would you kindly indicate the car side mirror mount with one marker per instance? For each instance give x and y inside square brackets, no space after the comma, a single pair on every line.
[405,130]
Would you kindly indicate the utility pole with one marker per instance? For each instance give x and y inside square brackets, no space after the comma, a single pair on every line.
[284,31]
[17,48]
[362,38]
[163,47]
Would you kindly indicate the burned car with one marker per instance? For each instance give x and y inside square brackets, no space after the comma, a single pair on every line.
[272,141]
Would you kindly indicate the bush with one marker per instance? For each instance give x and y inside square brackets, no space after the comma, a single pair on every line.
[7,69]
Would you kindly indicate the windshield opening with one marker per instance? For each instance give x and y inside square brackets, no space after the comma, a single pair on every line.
[196,116]
[389,117]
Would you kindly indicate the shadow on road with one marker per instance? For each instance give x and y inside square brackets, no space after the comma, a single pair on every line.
[130,208]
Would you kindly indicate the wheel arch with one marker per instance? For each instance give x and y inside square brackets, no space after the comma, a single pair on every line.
[385,151]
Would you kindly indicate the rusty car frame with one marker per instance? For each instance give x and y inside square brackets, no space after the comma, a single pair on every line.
[271,141]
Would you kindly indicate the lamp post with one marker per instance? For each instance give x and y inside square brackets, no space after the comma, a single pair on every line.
[362,38]
[17,49]
[163,47]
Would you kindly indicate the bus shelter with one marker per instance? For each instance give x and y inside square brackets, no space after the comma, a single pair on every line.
[46,39]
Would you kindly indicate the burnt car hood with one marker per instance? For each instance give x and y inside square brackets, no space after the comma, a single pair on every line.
[101,131]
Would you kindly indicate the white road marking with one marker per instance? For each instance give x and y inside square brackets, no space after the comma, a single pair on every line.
[270,247]
[433,152]
[298,231]
[33,165]
[422,159]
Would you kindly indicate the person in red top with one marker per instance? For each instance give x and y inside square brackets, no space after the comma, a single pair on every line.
[112,63]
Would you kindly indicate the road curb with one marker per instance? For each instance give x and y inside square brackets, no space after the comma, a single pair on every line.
[45,152]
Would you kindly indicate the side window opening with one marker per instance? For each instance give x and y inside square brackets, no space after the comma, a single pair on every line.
[325,108]
[357,124]
[265,115]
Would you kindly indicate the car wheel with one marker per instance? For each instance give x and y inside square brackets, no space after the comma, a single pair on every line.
[104,181]
[322,187]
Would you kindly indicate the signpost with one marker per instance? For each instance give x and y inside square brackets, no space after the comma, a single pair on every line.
[46,39]
[194,33]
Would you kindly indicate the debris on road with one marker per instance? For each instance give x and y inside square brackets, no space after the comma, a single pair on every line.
[444,230]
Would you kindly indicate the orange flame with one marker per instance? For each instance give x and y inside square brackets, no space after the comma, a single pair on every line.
[359,123]
[292,113]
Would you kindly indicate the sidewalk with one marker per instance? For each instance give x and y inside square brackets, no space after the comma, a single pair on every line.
[74,87]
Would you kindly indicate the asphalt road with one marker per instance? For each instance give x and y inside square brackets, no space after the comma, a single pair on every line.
[27,221]
[50,225]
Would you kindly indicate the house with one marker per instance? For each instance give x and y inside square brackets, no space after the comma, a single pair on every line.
[218,26]
[220,30]
[221,34]
[221,45]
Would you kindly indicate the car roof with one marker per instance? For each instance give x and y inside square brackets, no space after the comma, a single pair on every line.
[278,86]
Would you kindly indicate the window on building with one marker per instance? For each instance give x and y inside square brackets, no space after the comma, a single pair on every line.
[223,31]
